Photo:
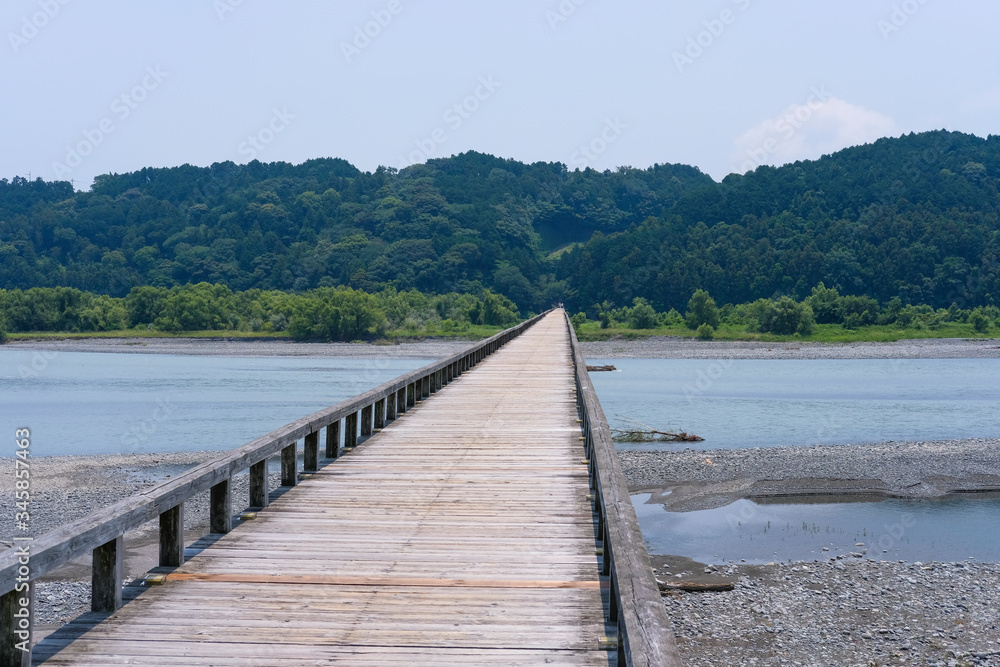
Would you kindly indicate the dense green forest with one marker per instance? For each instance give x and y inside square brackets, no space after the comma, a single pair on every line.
[912,218]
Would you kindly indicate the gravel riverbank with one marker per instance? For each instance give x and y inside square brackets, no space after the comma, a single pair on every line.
[703,479]
[670,347]
[239,347]
[654,347]
[846,609]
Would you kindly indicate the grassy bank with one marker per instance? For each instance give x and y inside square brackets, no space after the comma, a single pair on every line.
[470,332]
[822,333]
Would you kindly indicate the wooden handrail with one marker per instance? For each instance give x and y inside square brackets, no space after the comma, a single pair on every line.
[645,636]
[100,532]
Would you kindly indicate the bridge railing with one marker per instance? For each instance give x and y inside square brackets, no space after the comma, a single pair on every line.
[645,636]
[102,531]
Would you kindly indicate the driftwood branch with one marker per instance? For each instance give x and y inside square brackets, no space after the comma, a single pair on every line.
[695,586]
[639,432]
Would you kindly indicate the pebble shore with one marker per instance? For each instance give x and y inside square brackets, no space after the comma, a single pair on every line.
[846,610]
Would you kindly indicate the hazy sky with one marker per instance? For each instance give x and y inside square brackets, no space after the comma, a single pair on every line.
[101,86]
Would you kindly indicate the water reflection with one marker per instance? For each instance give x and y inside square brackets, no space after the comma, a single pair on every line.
[948,529]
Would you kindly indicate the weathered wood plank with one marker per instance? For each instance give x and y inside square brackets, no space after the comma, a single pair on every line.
[431,543]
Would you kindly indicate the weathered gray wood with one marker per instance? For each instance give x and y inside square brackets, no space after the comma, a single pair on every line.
[310,452]
[289,466]
[646,637]
[351,430]
[16,622]
[172,537]
[333,439]
[368,554]
[82,535]
[391,406]
[366,420]
[411,395]
[220,507]
[259,496]
[107,575]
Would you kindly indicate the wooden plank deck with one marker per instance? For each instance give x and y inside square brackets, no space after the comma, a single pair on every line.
[459,534]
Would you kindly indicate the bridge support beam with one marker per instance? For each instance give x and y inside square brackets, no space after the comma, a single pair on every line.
[366,421]
[310,452]
[16,620]
[172,537]
[220,507]
[289,474]
[106,576]
[333,439]
[258,484]
[379,415]
[351,431]
[391,406]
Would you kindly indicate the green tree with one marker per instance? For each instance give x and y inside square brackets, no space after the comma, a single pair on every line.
[702,310]
[706,332]
[979,321]
[783,317]
[642,315]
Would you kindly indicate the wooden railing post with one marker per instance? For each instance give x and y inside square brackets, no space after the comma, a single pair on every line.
[310,452]
[106,576]
[366,421]
[390,407]
[220,507]
[259,496]
[333,439]
[289,473]
[16,620]
[172,537]
[401,401]
[351,431]
[379,414]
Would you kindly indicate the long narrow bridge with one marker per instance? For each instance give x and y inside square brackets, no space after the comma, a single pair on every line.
[482,523]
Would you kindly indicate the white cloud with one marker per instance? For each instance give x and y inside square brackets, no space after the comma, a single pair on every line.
[822,125]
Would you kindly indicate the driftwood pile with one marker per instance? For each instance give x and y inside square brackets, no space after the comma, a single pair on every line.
[639,432]
[597,369]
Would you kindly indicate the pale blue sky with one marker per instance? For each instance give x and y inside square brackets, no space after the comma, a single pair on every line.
[772,81]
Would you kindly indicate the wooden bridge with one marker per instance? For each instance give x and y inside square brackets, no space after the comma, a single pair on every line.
[490,525]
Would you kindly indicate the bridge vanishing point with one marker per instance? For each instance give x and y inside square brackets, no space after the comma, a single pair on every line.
[488,524]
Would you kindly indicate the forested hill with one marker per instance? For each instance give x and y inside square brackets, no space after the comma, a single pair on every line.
[914,217]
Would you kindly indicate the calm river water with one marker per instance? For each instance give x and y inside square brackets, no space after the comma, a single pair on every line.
[100,403]
[763,403]
[105,403]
